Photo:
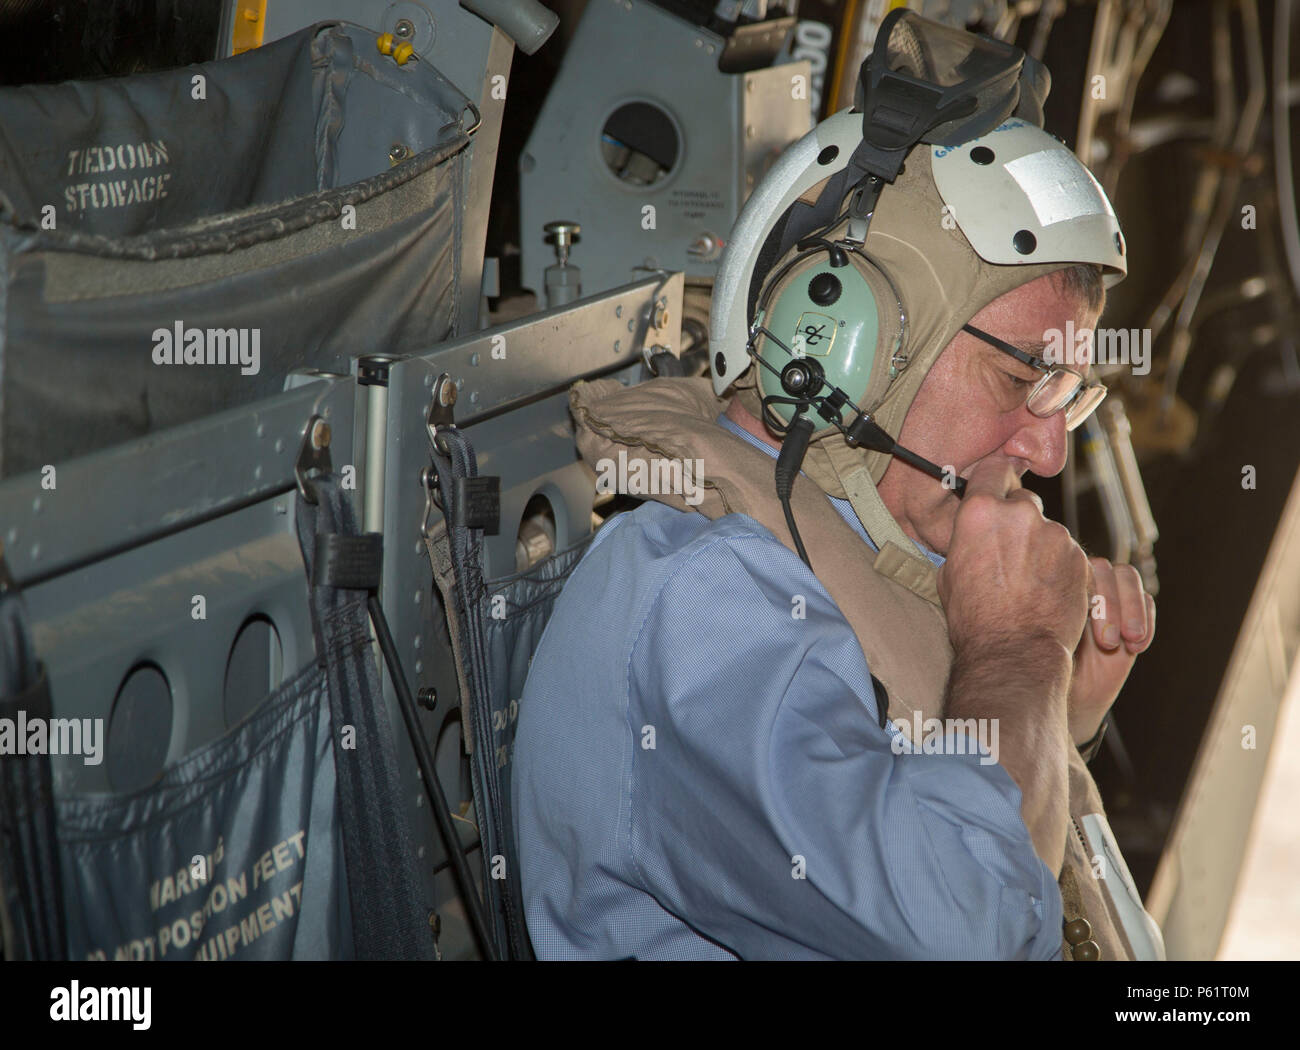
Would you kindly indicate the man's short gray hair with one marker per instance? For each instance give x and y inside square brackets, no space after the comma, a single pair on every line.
[1083,281]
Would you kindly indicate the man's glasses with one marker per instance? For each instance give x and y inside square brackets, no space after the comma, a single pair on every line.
[1060,387]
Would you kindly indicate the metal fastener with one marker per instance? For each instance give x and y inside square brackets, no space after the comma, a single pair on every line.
[564,232]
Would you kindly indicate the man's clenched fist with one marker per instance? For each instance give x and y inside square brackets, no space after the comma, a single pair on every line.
[1011,575]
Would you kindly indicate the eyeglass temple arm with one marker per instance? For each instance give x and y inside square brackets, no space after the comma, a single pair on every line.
[1005,347]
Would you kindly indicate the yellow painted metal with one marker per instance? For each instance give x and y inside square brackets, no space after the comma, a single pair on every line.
[857,35]
[249,23]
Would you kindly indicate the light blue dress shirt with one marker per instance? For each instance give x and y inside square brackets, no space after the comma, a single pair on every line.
[699,773]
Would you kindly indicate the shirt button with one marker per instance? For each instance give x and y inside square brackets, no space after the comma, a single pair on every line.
[1088,951]
[1078,930]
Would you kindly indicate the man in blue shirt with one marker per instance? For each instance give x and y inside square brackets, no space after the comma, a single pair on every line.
[766,756]
[703,768]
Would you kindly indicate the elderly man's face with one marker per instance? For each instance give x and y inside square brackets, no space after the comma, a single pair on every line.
[972,407]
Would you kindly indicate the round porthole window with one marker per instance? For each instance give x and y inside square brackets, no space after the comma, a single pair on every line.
[640,143]
[139,729]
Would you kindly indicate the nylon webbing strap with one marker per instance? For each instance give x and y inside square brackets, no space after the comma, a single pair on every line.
[438,544]
[897,558]
[465,548]
[388,919]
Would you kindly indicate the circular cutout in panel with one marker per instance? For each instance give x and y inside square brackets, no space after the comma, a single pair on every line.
[254,669]
[139,729]
[536,539]
[640,143]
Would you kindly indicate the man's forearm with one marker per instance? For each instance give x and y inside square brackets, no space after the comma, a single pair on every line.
[1024,686]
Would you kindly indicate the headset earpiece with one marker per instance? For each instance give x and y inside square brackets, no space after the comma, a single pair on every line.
[831,304]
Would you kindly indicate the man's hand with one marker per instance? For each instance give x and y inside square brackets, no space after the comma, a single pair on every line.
[1122,624]
[1014,591]
[1011,575]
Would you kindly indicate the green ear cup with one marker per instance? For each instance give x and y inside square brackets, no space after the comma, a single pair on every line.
[823,312]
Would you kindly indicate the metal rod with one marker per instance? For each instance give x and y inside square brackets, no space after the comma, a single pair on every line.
[437,800]
[372,514]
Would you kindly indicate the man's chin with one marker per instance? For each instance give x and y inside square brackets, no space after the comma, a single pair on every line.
[937,536]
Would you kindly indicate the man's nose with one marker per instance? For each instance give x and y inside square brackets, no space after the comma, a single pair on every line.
[1041,442]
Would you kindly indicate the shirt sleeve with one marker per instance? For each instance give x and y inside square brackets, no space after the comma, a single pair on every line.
[768,809]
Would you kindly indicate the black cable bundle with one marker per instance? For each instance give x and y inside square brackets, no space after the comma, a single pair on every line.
[793,450]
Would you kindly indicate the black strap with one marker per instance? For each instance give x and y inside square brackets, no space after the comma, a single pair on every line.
[882,700]
[1088,750]
[351,562]
[477,503]
[465,544]
[389,921]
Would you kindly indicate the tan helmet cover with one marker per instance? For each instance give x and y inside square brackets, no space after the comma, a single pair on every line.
[941,282]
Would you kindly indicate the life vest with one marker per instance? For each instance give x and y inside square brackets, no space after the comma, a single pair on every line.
[889,599]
